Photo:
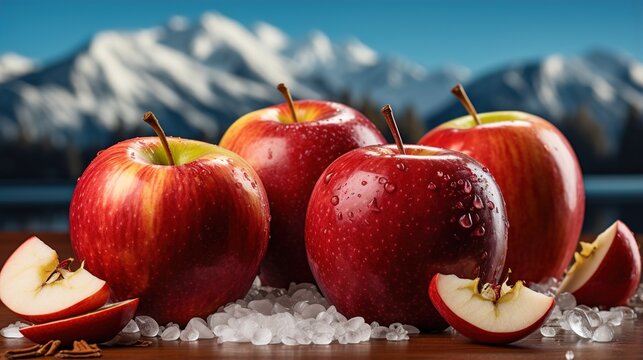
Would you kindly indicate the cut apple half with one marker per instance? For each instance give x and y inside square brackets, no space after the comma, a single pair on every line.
[38,287]
[94,327]
[607,271]
[494,314]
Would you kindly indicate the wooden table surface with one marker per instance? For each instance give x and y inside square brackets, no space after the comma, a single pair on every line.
[628,344]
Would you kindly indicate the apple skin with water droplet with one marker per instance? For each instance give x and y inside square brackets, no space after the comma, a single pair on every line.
[378,262]
[289,157]
[540,179]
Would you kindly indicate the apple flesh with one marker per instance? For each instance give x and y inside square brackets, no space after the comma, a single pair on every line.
[94,327]
[493,314]
[541,183]
[185,239]
[39,288]
[289,157]
[380,224]
[607,271]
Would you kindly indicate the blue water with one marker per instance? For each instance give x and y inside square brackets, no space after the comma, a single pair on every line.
[44,207]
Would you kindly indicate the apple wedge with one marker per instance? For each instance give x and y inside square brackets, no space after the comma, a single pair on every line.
[94,327]
[39,288]
[607,271]
[497,314]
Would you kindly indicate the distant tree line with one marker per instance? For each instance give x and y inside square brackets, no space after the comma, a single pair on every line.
[43,161]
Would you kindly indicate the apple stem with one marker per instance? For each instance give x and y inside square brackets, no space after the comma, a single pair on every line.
[459,93]
[387,111]
[151,120]
[286,93]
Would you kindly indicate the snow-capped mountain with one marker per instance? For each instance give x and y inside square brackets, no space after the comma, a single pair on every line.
[602,84]
[198,77]
[13,65]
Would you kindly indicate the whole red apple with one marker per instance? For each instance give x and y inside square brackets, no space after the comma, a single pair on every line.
[383,220]
[289,150]
[184,238]
[540,179]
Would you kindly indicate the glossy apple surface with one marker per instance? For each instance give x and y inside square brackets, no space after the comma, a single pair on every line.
[541,183]
[95,327]
[381,224]
[184,239]
[498,314]
[38,287]
[606,272]
[289,157]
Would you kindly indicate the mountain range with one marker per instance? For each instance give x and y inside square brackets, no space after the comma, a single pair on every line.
[198,77]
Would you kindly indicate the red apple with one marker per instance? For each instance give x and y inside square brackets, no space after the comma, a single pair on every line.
[94,327]
[493,314]
[184,238]
[607,271]
[289,156]
[38,287]
[383,220]
[540,179]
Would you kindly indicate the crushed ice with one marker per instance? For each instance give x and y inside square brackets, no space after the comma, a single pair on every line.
[12,331]
[584,321]
[299,315]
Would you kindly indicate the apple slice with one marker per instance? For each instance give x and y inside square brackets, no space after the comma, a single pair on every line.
[607,271]
[39,288]
[94,327]
[497,314]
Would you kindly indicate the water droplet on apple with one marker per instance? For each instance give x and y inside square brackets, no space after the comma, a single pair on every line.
[328,177]
[459,205]
[490,205]
[446,177]
[364,182]
[432,186]
[374,206]
[460,182]
[440,173]
[382,180]
[485,169]
[389,188]
[269,154]
[467,187]
[465,221]
[400,166]
[340,216]
[484,255]
[479,231]
[350,214]
[477,202]
[334,200]
[452,184]
[98,153]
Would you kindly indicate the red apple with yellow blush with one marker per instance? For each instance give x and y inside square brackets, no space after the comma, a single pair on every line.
[540,179]
[290,145]
[180,224]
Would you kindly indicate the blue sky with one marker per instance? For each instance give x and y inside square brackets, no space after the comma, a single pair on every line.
[477,34]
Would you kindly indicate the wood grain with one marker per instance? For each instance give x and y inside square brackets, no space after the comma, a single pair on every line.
[629,344]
